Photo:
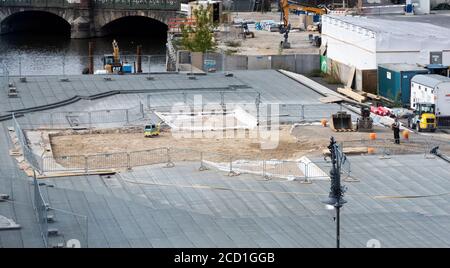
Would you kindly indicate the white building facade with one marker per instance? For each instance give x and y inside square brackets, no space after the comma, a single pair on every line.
[366,42]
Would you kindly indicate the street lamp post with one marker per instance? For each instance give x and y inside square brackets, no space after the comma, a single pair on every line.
[335,198]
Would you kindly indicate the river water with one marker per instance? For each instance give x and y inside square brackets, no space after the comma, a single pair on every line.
[40,53]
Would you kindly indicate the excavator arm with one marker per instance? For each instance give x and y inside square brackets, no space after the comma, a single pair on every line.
[115,52]
[286,6]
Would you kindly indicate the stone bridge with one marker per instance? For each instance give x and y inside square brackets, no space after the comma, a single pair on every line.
[87,18]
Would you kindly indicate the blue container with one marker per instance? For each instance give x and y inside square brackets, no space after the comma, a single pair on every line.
[127,68]
[394,81]
[409,8]
[316,18]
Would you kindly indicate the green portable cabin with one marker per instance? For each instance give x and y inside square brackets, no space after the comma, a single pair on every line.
[394,81]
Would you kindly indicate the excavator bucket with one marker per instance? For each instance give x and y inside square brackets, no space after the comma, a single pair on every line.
[341,121]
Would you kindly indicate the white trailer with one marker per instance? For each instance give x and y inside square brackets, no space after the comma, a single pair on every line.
[432,88]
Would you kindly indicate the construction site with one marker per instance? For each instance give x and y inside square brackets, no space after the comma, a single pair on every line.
[240,149]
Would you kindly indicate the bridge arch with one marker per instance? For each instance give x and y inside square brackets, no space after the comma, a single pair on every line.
[134,24]
[34,20]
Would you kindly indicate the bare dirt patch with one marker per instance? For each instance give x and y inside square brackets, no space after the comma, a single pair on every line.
[246,146]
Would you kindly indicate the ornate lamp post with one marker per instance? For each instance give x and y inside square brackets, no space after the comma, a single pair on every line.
[335,198]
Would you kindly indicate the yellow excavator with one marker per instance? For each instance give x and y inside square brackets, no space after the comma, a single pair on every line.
[286,6]
[111,62]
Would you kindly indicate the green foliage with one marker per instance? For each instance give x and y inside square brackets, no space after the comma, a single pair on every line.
[199,38]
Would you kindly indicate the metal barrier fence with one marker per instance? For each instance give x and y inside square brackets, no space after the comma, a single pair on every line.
[53,222]
[30,157]
[4,77]
[233,164]
[83,119]
[208,62]
[294,113]
[164,101]
[107,4]
[303,170]
[41,208]
[222,62]
[412,145]
[75,65]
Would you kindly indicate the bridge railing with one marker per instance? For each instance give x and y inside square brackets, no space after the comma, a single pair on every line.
[138,4]
[107,4]
[41,3]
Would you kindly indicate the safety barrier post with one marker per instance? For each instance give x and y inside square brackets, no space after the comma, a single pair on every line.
[202,166]
[386,153]
[232,172]
[86,168]
[169,161]
[128,161]
[306,179]
[264,174]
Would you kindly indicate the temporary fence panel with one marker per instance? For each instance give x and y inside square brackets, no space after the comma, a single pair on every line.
[64,163]
[41,208]
[148,157]
[106,161]
[306,63]
[259,62]
[285,62]
[30,157]
[236,62]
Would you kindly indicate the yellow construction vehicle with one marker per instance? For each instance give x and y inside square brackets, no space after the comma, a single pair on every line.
[111,62]
[424,117]
[286,6]
[151,130]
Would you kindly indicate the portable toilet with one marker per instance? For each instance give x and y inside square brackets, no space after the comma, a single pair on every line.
[394,81]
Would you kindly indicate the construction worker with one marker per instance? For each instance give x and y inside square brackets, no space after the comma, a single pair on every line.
[396,128]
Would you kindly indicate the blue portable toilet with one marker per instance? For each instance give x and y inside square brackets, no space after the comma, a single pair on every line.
[394,81]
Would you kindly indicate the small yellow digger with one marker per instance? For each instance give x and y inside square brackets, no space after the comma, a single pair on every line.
[151,130]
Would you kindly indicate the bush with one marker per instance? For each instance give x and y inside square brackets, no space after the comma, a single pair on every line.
[233,43]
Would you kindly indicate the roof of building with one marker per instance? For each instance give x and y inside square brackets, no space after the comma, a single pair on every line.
[405,28]
[396,201]
[183,207]
[401,67]
[390,36]
[430,80]
[438,18]
[437,66]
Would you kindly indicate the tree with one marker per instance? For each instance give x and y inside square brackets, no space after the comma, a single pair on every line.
[200,37]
